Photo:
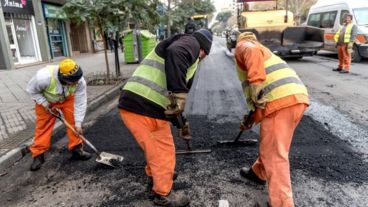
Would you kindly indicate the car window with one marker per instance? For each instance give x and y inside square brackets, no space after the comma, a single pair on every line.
[342,15]
[314,20]
[328,19]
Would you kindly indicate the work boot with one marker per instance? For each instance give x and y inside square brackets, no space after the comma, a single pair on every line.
[79,154]
[337,69]
[172,200]
[150,185]
[250,175]
[344,71]
[37,162]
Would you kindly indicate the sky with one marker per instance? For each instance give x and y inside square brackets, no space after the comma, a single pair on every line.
[219,4]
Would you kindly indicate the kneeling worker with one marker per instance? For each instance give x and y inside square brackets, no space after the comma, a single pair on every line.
[64,88]
[145,106]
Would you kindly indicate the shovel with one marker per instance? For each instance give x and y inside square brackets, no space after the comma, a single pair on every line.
[102,157]
[237,141]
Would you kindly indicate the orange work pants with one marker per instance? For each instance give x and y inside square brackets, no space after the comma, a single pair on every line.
[272,165]
[155,138]
[344,57]
[45,123]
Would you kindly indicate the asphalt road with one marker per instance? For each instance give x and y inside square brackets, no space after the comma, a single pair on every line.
[328,166]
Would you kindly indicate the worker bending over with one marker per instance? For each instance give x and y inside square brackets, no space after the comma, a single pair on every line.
[279,99]
[58,87]
[155,95]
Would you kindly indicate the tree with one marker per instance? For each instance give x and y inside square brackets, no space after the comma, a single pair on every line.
[223,16]
[188,8]
[179,10]
[299,8]
[109,14]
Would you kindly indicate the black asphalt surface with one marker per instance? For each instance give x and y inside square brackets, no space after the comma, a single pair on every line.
[318,158]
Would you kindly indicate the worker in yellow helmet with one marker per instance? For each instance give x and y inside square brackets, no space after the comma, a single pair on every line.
[58,87]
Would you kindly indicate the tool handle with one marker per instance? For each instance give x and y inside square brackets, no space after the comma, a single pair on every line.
[238,136]
[246,122]
[61,118]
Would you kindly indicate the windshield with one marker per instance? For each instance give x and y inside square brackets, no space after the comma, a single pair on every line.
[361,16]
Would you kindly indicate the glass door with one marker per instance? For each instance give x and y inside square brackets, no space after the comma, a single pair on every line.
[13,41]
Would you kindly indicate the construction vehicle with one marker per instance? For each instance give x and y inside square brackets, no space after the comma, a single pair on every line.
[275,29]
[201,21]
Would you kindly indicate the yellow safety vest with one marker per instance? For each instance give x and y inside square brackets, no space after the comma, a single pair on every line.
[51,94]
[149,79]
[347,34]
[281,81]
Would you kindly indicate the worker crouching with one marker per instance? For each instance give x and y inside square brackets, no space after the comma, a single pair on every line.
[153,97]
[279,98]
[58,87]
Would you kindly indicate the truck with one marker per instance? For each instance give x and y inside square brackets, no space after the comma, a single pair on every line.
[275,29]
[329,14]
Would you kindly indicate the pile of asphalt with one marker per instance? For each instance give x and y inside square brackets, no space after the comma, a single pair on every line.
[206,178]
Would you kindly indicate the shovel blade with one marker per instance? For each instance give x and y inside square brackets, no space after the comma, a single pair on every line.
[109,159]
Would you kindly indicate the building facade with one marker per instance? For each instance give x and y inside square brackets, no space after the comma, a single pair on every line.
[34,31]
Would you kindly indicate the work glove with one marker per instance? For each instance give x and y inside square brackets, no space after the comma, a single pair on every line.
[350,47]
[185,132]
[247,122]
[177,103]
[51,110]
[257,95]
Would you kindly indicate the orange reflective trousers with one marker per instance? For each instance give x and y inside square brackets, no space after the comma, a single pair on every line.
[155,138]
[344,57]
[272,165]
[45,123]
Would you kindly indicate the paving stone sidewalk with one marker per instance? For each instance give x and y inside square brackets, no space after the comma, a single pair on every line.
[17,109]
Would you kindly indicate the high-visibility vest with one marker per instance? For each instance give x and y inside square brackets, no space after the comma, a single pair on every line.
[281,81]
[51,94]
[149,79]
[347,34]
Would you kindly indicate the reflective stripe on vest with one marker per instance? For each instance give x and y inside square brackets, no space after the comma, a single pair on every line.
[51,94]
[347,34]
[281,81]
[149,79]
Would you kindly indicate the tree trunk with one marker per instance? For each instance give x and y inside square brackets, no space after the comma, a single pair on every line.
[169,18]
[106,57]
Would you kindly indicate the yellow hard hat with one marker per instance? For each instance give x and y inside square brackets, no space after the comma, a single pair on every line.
[247,36]
[68,67]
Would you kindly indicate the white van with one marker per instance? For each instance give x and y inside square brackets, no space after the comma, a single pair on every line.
[328,15]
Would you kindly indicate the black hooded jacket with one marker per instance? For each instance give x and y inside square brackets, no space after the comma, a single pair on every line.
[179,52]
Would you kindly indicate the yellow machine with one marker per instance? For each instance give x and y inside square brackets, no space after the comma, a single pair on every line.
[201,21]
[275,29]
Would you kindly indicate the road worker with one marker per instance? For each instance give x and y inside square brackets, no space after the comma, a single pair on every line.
[58,87]
[278,98]
[345,38]
[144,106]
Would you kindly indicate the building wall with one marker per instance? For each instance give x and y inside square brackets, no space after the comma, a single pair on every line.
[41,31]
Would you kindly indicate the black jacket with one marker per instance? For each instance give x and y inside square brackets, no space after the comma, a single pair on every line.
[179,52]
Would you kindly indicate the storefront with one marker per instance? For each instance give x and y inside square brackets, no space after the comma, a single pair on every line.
[56,30]
[21,31]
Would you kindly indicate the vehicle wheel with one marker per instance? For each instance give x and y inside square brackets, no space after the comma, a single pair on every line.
[355,56]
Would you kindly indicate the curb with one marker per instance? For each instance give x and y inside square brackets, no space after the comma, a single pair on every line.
[16,154]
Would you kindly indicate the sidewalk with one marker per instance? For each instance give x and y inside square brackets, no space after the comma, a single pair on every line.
[17,109]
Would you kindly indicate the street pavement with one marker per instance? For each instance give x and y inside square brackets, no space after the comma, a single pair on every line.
[17,109]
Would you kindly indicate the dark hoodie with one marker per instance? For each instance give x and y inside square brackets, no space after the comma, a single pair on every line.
[179,52]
